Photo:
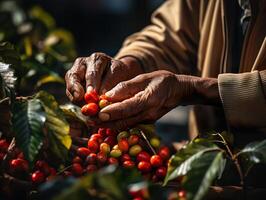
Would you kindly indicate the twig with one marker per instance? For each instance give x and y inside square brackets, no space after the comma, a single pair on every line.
[147,141]
[236,161]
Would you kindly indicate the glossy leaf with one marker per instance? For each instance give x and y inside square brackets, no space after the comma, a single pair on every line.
[28,120]
[56,123]
[202,174]
[50,79]
[181,162]
[253,153]
[73,112]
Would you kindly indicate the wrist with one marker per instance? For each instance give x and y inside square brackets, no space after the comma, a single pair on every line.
[198,90]
[206,91]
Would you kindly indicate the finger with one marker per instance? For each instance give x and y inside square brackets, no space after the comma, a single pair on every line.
[126,89]
[74,79]
[124,109]
[96,65]
[114,75]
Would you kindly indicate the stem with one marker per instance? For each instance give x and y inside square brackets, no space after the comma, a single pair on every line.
[147,141]
[234,158]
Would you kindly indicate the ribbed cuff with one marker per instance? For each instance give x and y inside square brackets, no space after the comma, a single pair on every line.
[243,99]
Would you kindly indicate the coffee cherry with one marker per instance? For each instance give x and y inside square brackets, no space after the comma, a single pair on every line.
[3,145]
[103,103]
[110,132]
[104,97]
[101,157]
[125,157]
[90,109]
[123,145]
[91,158]
[91,168]
[133,139]
[96,137]
[102,132]
[155,142]
[144,166]
[43,166]
[77,169]
[113,161]
[111,140]
[105,148]
[21,155]
[134,150]
[116,147]
[37,177]
[121,135]
[181,194]
[93,146]
[91,97]
[83,152]
[138,198]
[161,172]
[77,159]
[143,156]
[19,165]
[156,161]
[164,153]
[128,164]
[115,153]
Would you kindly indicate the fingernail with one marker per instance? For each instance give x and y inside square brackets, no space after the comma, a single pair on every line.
[104,116]
[89,88]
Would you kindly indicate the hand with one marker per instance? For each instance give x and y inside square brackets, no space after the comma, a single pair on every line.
[99,72]
[145,98]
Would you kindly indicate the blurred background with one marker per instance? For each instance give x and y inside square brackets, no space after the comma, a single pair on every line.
[95,25]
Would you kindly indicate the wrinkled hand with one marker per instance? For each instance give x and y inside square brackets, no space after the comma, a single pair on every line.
[145,98]
[99,72]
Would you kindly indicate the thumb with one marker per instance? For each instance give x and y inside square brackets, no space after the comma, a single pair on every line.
[126,89]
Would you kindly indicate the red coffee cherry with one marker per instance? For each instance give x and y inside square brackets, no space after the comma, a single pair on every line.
[96,137]
[161,172]
[83,152]
[102,132]
[77,169]
[37,177]
[128,164]
[123,145]
[143,156]
[91,158]
[3,145]
[90,109]
[133,139]
[93,146]
[113,161]
[101,157]
[110,132]
[144,166]
[156,161]
[164,153]
[19,165]
[111,140]
[181,194]
[77,159]
[125,157]
[91,97]
[91,168]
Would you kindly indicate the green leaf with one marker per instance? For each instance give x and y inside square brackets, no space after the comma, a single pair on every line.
[56,124]
[180,163]
[72,112]
[7,80]
[253,153]
[38,13]
[28,120]
[202,174]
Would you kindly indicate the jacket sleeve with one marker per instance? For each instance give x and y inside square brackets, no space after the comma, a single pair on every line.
[243,98]
[170,41]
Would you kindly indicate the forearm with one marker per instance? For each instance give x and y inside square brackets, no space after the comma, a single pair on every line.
[200,90]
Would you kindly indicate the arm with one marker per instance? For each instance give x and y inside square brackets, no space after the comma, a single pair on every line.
[170,42]
[243,98]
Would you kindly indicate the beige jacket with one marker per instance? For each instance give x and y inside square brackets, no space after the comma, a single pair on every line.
[194,37]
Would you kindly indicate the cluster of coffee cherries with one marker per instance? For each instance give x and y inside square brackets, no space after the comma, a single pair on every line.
[19,168]
[127,149]
[94,103]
